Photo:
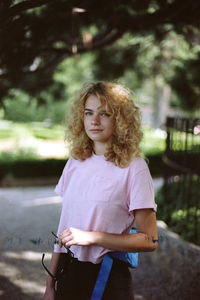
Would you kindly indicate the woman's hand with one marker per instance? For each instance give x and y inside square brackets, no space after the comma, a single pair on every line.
[74,236]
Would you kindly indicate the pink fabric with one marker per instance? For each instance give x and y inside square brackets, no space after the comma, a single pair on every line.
[98,196]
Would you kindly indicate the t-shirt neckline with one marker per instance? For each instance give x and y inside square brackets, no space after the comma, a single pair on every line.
[98,156]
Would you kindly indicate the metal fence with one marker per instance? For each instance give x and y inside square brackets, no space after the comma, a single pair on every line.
[181,204]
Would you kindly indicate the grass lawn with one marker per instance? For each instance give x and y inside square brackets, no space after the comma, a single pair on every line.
[41,140]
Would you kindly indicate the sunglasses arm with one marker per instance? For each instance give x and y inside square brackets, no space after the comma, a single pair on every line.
[50,274]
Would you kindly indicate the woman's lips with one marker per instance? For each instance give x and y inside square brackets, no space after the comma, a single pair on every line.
[96,130]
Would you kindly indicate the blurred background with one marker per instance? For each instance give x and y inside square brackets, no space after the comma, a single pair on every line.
[48,50]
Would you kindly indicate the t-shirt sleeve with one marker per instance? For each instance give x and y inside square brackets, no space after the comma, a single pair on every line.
[62,183]
[142,190]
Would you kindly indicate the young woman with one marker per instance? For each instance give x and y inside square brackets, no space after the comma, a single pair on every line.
[106,187]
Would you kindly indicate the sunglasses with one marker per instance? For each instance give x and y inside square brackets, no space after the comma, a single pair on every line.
[68,259]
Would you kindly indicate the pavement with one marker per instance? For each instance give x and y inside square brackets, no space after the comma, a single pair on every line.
[27,217]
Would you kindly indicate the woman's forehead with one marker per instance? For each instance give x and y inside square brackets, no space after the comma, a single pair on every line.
[93,102]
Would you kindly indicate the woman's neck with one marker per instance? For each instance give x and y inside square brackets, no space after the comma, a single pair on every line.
[99,148]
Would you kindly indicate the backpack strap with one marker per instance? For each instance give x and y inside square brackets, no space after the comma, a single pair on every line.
[102,278]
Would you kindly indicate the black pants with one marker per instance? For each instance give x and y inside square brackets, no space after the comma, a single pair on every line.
[79,279]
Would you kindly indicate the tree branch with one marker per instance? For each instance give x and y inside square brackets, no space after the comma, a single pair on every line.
[54,61]
[22,6]
[66,52]
[96,43]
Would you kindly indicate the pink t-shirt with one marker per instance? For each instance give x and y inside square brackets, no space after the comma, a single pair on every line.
[99,196]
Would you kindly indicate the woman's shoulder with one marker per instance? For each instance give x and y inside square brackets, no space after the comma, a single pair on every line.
[138,164]
[74,162]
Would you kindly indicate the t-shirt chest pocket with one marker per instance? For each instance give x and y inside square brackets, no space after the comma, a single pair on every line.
[102,188]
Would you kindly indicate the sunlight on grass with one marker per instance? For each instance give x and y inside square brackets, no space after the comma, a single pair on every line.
[31,141]
[35,140]
[153,141]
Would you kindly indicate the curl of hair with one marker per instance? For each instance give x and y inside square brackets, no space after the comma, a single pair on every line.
[123,146]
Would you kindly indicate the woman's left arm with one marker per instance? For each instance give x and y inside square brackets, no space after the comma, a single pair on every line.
[143,241]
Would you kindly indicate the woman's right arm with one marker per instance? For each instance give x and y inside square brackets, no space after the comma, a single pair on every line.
[50,282]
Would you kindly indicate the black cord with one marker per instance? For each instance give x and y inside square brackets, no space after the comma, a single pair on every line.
[52,276]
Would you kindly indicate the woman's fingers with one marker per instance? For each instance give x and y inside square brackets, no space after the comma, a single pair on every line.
[67,241]
[75,236]
[65,238]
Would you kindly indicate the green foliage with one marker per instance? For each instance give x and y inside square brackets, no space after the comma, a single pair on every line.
[183,221]
[51,103]
[31,168]
[21,154]
[153,141]
[75,71]
[178,207]
[186,82]
[117,40]
[143,62]
[118,57]
[139,62]
[20,107]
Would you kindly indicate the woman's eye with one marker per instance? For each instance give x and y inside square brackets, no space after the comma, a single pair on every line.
[105,115]
[88,113]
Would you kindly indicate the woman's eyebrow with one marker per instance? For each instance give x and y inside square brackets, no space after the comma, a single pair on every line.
[88,109]
[98,109]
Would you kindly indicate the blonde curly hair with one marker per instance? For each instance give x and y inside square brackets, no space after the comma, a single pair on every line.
[123,146]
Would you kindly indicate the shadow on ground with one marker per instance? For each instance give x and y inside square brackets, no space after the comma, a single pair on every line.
[10,291]
[27,217]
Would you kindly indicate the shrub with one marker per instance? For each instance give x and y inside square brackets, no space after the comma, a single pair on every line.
[20,107]
[21,154]
[178,206]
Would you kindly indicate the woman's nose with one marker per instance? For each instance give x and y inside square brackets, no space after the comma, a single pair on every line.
[95,119]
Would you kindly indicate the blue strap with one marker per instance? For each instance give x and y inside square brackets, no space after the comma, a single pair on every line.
[102,278]
[130,258]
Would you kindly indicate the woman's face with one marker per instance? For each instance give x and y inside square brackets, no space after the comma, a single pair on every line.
[98,122]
